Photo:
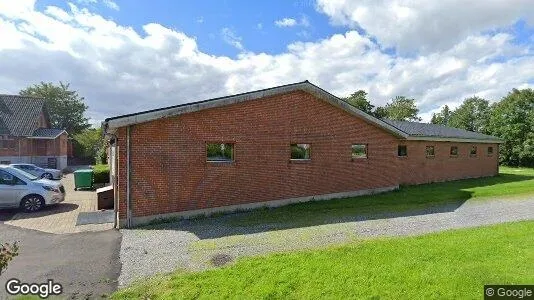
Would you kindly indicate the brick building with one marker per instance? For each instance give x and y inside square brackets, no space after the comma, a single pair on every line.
[276,146]
[26,136]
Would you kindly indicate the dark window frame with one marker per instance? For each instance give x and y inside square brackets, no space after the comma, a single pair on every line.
[451,154]
[399,152]
[208,160]
[433,151]
[308,150]
[490,153]
[365,151]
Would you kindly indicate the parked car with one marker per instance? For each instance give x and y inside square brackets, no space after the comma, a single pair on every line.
[29,192]
[38,171]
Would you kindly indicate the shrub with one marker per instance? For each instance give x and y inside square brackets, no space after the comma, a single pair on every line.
[7,253]
[101,173]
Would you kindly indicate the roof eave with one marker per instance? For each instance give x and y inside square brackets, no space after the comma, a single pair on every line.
[452,139]
[47,137]
[111,124]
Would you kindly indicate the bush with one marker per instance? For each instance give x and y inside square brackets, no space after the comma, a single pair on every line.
[7,253]
[101,173]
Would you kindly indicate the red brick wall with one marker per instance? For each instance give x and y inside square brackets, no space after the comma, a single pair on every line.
[417,168]
[169,172]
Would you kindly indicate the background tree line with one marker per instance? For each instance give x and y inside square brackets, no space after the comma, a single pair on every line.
[66,109]
[511,119]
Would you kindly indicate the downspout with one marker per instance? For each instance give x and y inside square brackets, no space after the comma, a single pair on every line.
[115,167]
[128,197]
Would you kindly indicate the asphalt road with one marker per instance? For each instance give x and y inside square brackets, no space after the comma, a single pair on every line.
[87,265]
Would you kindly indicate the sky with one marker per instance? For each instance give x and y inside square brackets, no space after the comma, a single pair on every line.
[126,56]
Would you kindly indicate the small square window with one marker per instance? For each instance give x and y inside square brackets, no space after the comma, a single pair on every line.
[473,151]
[359,151]
[490,151]
[454,151]
[402,150]
[219,152]
[301,151]
[430,151]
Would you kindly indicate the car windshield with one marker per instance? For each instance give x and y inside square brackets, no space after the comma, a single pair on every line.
[24,174]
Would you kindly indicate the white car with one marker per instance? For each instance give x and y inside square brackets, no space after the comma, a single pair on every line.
[29,192]
[38,171]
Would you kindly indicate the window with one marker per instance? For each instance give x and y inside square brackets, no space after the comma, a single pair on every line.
[473,151]
[430,151]
[359,151]
[8,179]
[5,162]
[402,150]
[220,152]
[490,151]
[300,151]
[454,151]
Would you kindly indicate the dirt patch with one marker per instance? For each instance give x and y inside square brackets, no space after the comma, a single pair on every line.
[221,259]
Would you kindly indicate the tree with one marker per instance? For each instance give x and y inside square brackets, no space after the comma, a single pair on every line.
[65,107]
[400,108]
[359,100]
[89,143]
[471,115]
[443,117]
[7,253]
[380,112]
[512,119]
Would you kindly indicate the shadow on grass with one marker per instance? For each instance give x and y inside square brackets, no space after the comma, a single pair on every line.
[407,201]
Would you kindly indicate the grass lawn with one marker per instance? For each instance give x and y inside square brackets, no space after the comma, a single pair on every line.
[447,265]
[509,182]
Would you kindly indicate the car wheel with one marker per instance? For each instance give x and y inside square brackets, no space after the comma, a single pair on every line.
[32,203]
[47,176]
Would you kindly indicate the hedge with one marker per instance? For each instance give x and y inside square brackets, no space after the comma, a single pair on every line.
[101,173]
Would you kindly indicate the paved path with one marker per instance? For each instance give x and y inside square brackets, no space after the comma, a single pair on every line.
[192,244]
[86,264]
[60,218]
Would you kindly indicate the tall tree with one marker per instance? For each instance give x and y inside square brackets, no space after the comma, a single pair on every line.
[359,100]
[380,112]
[65,107]
[443,117]
[471,115]
[512,119]
[402,109]
[89,143]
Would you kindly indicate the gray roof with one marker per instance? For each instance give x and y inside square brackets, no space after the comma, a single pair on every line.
[403,130]
[19,115]
[50,133]
[415,129]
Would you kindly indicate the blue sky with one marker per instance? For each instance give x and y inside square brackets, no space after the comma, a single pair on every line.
[251,21]
[437,52]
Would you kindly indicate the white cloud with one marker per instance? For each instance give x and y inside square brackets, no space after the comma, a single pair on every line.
[119,70]
[230,37]
[108,3]
[426,26]
[304,21]
[111,4]
[285,22]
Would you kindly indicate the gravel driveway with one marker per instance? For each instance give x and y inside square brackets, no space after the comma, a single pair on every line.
[198,244]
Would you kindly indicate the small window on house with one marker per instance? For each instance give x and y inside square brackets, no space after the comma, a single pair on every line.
[220,152]
[490,151]
[300,151]
[473,151]
[430,151]
[402,150]
[359,151]
[454,151]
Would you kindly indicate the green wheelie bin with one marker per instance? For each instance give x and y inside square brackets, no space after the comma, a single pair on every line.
[83,179]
